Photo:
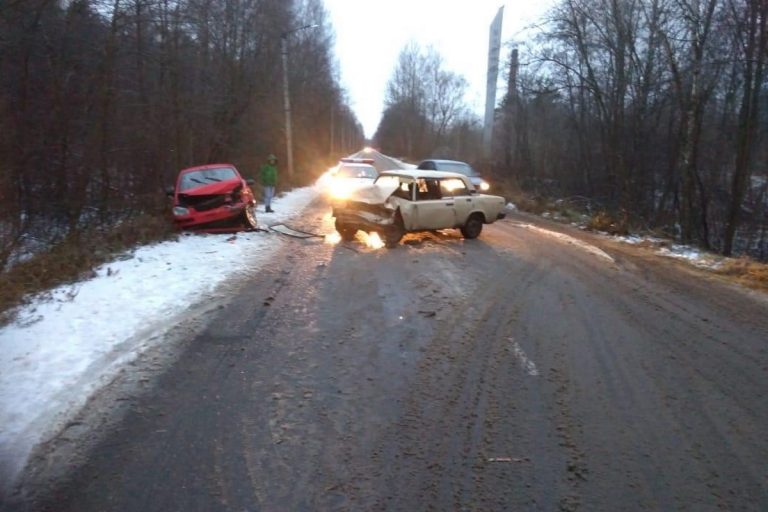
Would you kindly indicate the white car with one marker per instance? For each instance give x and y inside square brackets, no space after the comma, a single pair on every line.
[416,200]
[349,176]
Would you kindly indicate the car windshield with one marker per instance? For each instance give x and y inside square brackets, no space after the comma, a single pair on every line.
[356,171]
[194,179]
[458,167]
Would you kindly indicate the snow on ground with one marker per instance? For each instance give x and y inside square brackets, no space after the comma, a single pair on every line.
[637,239]
[69,343]
[692,255]
[569,240]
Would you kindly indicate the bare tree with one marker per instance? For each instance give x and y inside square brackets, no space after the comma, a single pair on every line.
[423,101]
[752,46]
[103,101]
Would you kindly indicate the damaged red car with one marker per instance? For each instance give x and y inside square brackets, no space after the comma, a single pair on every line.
[213,197]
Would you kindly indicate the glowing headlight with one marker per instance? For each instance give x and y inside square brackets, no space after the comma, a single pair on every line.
[180,211]
[484,186]
[339,190]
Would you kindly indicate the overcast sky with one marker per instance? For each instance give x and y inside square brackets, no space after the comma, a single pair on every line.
[371,33]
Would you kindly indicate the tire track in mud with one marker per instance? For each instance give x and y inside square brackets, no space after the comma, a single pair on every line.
[451,449]
[662,388]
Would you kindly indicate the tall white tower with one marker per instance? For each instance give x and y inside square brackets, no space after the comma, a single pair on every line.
[494,48]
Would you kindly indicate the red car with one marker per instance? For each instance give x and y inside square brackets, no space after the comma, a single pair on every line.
[213,197]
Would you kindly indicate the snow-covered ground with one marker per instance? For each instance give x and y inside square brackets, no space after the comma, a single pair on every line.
[72,341]
[595,251]
[692,255]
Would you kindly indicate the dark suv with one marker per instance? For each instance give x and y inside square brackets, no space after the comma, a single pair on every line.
[455,166]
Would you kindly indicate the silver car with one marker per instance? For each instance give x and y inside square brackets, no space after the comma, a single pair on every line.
[459,167]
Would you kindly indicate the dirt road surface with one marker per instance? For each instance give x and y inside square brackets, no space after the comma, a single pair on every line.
[524,370]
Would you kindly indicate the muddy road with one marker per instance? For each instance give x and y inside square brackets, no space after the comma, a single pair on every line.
[519,371]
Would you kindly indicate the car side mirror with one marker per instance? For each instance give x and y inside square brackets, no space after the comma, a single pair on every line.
[474,192]
[170,191]
[250,181]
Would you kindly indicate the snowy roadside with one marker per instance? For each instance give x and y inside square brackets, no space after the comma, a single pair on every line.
[68,344]
[663,247]
[743,271]
[696,257]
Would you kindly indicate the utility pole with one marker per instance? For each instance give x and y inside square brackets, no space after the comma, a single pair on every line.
[331,145]
[287,96]
[511,113]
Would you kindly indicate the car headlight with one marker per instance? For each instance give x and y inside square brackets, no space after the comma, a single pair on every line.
[340,190]
[180,211]
[484,186]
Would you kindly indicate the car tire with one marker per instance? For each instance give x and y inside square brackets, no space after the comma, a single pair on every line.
[394,234]
[249,217]
[392,238]
[347,232]
[473,227]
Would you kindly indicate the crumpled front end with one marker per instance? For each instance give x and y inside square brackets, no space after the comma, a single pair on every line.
[216,212]
[364,216]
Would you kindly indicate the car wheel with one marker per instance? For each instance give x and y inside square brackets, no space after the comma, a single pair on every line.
[394,234]
[392,238]
[249,217]
[347,232]
[473,227]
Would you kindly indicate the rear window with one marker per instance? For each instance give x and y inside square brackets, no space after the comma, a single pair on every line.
[458,167]
[356,171]
[193,179]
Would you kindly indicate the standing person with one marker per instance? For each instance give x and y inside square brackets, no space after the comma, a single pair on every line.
[268,181]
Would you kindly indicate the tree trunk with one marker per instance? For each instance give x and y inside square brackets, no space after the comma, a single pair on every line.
[755,55]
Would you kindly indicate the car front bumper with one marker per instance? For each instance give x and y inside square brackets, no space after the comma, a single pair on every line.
[216,218]
[363,220]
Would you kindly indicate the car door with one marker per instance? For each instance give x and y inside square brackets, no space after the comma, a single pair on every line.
[462,199]
[432,211]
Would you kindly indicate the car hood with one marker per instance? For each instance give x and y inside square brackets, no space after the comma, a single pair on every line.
[221,187]
[376,193]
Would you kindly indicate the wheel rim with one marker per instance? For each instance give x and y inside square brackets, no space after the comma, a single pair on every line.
[250,217]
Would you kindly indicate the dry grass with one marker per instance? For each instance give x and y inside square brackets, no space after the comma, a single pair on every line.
[74,258]
[524,202]
[746,271]
[608,223]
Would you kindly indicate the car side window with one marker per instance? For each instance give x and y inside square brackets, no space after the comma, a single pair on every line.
[451,187]
[427,189]
[404,190]
[428,166]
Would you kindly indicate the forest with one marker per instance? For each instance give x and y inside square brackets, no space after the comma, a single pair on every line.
[102,102]
[651,113]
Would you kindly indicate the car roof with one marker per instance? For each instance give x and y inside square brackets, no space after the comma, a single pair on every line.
[441,161]
[348,164]
[419,173]
[207,166]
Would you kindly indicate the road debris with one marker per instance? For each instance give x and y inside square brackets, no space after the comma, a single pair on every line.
[293,232]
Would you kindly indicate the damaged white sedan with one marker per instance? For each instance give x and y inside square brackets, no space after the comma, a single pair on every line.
[404,201]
